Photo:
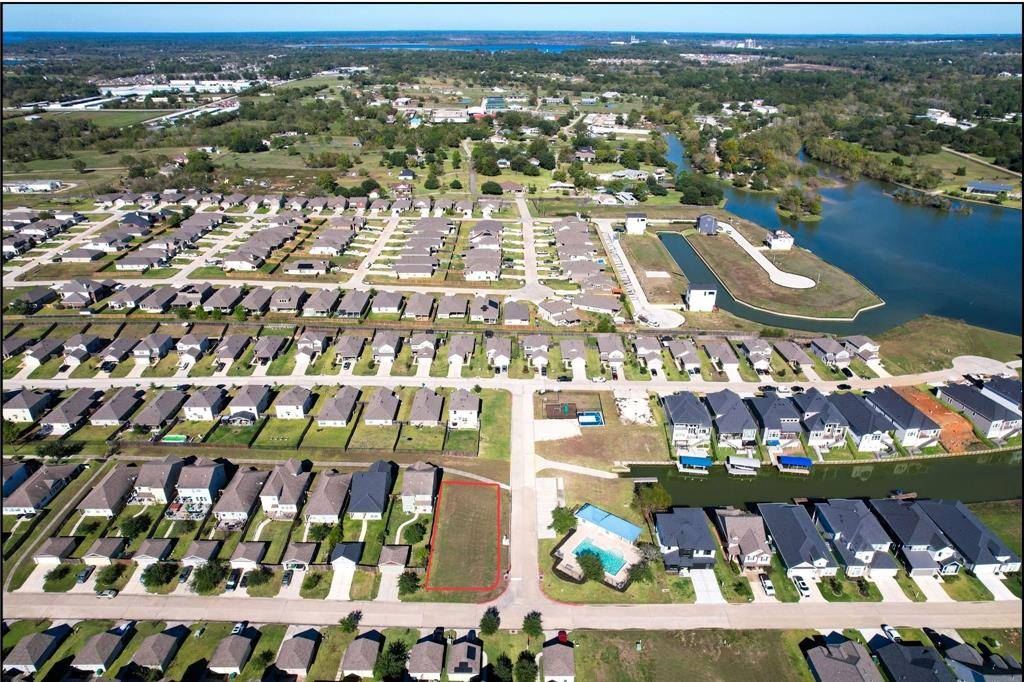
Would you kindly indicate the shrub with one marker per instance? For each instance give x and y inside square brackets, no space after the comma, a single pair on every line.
[209,575]
[159,574]
[408,583]
[414,533]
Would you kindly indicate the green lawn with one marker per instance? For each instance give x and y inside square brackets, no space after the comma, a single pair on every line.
[281,433]
[226,434]
[466,552]
[316,584]
[842,589]
[54,582]
[965,587]
[909,587]
[713,655]
[930,343]
[195,652]
[366,437]
[495,424]
[328,656]
[329,437]
[426,438]
[785,590]
[195,430]
[275,532]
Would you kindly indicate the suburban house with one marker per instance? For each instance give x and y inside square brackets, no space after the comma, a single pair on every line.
[231,654]
[387,303]
[284,491]
[465,659]
[992,418]
[369,492]
[205,404]
[460,349]
[426,408]
[152,551]
[798,543]
[499,353]
[1005,391]
[294,403]
[15,473]
[238,501]
[778,240]
[70,413]
[354,304]
[830,352]
[426,659]
[33,651]
[299,556]
[846,660]
[200,482]
[722,356]
[385,345]
[913,430]
[159,412]
[903,661]
[419,488]
[249,404]
[230,349]
[700,298]
[559,660]
[338,409]
[779,420]
[612,353]
[295,657]
[348,348]
[382,408]
[983,552]
[922,546]
[158,650]
[267,348]
[648,353]
[39,488]
[26,406]
[967,663]
[104,551]
[823,423]
[361,655]
[116,410]
[685,540]
[322,303]
[311,344]
[535,350]
[689,420]
[200,552]
[54,550]
[861,544]
[733,421]
[157,479]
[151,349]
[327,499]
[100,651]
[463,410]
[861,346]
[868,428]
[636,223]
[111,494]
[759,354]
[743,538]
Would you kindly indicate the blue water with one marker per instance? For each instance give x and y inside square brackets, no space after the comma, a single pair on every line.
[590,418]
[611,561]
[918,259]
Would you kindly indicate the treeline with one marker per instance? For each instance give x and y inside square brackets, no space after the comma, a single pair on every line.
[856,160]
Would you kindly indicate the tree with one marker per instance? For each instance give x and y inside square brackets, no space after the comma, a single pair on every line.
[209,575]
[58,572]
[502,669]
[318,532]
[350,623]
[134,526]
[532,625]
[414,533]
[156,575]
[526,667]
[651,497]
[491,187]
[19,307]
[109,575]
[260,576]
[10,432]
[590,564]
[408,583]
[562,520]
[455,184]
[641,572]
[78,165]
[431,182]
[239,313]
[390,664]
[265,658]
[490,621]
[57,450]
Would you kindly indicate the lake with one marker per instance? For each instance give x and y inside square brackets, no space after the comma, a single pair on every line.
[919,260]
[970,479]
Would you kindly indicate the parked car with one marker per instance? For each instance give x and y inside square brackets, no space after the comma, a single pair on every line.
[200,631]
[233,580]
[802,587]
[84,574]
[107,594]
[184,574]
[599,380]
[239,627]
[891,633]
[564,378]
[286,579]
[847,372]
[767,585]
[244,582]
[844,387]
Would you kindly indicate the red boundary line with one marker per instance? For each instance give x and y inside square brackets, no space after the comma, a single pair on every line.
[433,534]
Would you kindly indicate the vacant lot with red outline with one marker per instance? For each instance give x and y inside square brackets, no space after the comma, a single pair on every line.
[465,544]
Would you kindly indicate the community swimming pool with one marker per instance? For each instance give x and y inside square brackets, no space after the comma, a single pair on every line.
[611,561]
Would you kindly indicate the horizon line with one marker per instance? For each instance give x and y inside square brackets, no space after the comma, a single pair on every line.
[496,31]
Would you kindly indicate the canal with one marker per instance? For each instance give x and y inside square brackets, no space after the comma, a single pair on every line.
[919,260]
[969,479]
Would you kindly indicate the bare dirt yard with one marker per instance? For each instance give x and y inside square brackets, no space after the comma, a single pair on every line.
[957,432]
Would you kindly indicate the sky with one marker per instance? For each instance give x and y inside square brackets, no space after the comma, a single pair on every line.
[722,18]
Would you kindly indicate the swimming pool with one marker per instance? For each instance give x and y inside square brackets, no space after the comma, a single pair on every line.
[611,561]
[590,418]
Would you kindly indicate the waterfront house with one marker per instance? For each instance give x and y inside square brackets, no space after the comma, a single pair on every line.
[912,429]
[868,428]
[743,538]
[779,421]
[800,547]
[688,419]
[983,552]
[822,421]
[735,425]
[991,418]
[921,545]
[860,542]
[685,540]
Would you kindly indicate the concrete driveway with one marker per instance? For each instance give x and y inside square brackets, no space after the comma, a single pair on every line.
[547,500]
[35,580]
[455,368]
[301,363]
[757,590]
[293,590]
[889,588]
[388,586]
[705,585]
[423,367]
[932,588]
[733,373]
[341,583]
[579,369]
[997,586]
[384,368]
[89,586]
[134,584]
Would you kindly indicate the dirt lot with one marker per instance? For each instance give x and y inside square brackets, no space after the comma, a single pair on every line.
[957,432]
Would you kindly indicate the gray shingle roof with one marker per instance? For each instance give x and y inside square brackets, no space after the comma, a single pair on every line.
[899,410]
[729,412]
[794,535]
[686,408]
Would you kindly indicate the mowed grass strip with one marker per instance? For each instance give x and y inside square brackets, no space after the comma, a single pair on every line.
[465,545]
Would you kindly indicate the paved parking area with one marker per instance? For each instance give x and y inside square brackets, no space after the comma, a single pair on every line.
[889,588]
[705,585]
[755,587]
[932,588]
[423,367]
[455,368]
[388,586]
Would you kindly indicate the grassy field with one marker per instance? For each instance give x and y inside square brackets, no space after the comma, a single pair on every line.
[1004,518]
[495,424]
[720,655]
[465,550]
[281,433]
[112,118]
[836,294]
[930,343]
[647,253]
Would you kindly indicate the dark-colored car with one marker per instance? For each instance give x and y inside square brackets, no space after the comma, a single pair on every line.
[564,378]
[84,574]
[233,578]
[286,579]
[844,387]
[244,582]
[186,571]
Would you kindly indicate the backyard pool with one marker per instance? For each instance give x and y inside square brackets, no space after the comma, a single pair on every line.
[611,561]
[590,418]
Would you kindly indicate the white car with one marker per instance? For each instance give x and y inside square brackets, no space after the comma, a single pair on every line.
[891,633]
[599,380]
[767,585]
[802,586]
